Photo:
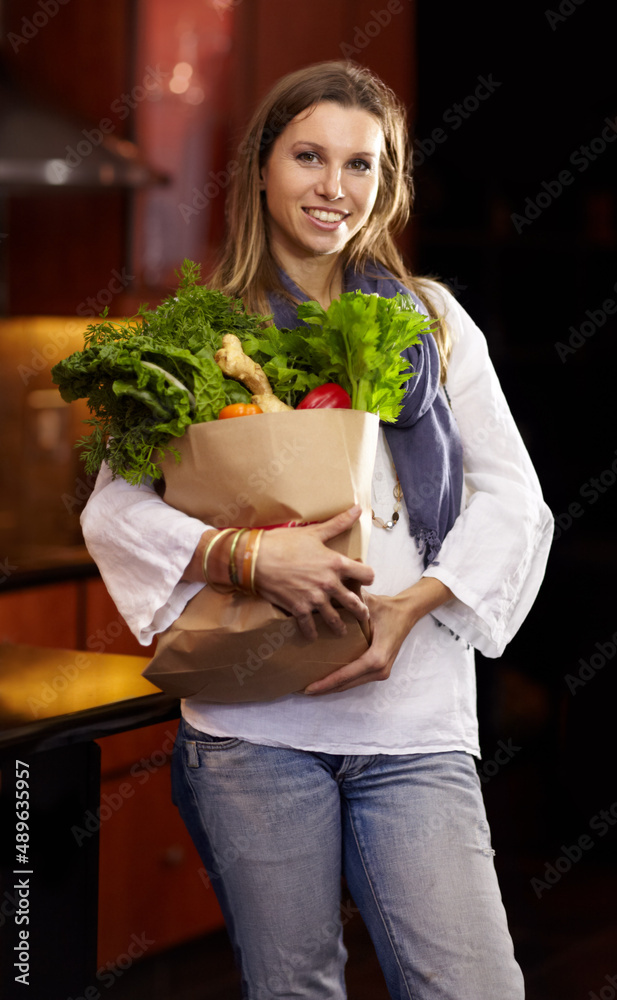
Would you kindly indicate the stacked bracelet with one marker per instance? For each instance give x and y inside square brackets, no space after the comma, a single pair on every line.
[233,569]
[249,560]
[209,547]
[254,561]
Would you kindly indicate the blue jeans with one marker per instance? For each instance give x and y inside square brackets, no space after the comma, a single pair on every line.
[277,828]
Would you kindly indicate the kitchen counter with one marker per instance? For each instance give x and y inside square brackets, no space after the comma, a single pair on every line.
[56,697]
[54,704]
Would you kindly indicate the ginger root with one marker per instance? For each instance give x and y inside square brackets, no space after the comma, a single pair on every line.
[233,362]
[269,403]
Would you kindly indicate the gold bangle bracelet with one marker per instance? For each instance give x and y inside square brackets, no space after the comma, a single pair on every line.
[209,547]
[247,559]
[254,561]
[233,569]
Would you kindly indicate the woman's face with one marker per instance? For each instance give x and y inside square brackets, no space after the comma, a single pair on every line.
[321,180]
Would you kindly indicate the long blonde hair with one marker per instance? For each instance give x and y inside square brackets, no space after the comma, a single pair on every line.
[248,269]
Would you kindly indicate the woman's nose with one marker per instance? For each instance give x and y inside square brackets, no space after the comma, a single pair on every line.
[330,184]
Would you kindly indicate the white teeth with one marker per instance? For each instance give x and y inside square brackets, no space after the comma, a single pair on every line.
[325,216]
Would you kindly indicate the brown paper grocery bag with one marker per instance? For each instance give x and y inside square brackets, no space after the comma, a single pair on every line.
[274,468]
[235,648]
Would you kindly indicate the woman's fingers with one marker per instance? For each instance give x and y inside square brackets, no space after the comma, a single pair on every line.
[299,572]
[306,624]
[338,524]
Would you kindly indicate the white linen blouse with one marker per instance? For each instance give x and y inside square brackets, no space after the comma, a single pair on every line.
[493,560]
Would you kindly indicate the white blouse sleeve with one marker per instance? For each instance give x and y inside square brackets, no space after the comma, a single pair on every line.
[494,557]
[141,546]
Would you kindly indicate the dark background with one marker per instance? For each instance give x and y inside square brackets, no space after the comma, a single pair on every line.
[529,291]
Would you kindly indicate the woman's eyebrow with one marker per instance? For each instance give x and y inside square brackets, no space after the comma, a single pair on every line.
[322,149]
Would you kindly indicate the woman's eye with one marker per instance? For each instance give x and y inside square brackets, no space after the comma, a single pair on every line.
[307,157]
[359,165]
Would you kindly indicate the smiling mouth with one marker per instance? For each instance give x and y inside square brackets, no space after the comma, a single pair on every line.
[323,216]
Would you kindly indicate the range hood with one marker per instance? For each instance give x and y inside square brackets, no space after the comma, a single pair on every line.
[42,148]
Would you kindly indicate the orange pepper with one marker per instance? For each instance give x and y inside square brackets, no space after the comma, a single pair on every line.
[239,410]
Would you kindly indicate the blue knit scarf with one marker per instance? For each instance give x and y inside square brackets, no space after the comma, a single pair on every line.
[424,442]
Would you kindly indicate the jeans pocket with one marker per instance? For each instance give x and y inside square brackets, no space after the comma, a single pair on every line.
[194,741]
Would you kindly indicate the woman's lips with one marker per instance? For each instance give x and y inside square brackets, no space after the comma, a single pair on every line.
[324,218]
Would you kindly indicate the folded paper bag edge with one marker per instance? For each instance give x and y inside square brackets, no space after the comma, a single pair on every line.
[216,665]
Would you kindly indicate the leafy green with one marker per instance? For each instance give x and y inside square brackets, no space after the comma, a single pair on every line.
[356,342]
[148,379]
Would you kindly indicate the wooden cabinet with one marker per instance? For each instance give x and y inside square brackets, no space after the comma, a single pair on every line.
[41,616]
[151,880]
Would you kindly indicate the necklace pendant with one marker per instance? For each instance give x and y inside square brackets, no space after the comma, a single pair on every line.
[398,496]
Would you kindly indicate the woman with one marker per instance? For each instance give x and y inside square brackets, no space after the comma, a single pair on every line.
[373,781]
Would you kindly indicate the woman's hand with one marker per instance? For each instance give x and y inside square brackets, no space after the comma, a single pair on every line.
[299,573]
[391,618]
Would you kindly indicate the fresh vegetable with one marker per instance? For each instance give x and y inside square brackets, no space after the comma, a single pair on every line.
[328,396]
[147,379]
[232,361]
[239,410]
[360,339]
[356,342]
